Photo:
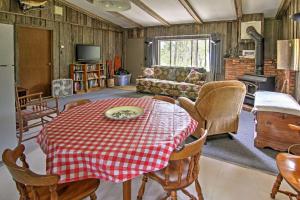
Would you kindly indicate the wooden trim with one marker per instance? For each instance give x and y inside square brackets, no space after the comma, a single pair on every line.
[189,8]
[121,30]
[151,12]
[283,8]
[238,9]
[120,15]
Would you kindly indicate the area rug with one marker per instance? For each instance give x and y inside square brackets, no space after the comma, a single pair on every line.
[241,149]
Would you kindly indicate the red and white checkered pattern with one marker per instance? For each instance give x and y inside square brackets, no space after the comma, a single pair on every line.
[82,143]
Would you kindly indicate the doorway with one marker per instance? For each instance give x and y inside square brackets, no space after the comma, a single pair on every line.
[35,59]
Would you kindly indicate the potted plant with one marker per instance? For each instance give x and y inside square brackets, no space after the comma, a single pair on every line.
[122,77]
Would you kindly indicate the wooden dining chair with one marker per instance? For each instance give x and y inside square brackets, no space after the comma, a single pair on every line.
[182,171]
[32,186]
[32,111]
[289,169]
[76,103]
[165,98]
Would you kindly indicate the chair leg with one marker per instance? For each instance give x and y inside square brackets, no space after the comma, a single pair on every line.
[142,188]
[298,196]
[199,190]
[93,196]
[276,186]
[173,195]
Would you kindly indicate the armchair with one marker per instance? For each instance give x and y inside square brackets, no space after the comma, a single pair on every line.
[217,107]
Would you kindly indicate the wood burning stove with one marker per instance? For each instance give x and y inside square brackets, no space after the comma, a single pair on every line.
[257,81]
[254,83]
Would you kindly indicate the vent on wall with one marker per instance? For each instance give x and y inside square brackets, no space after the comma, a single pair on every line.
[27,5]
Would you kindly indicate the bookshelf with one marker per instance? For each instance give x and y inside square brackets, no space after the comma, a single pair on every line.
[87,77]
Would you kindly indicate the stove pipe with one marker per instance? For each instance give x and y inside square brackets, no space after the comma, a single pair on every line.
[259,49]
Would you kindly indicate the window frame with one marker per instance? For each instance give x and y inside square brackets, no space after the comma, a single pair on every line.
[207,40]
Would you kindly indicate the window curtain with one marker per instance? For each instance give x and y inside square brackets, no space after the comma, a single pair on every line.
[216,61]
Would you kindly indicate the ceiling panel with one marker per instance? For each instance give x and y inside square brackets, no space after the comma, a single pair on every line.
[214,10]
[171,10]
[96,10]
[139,16]
[268,7]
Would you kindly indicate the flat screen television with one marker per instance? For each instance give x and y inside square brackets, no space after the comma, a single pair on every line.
[87,53]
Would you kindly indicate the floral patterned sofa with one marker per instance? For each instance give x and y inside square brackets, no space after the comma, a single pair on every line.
[171,81]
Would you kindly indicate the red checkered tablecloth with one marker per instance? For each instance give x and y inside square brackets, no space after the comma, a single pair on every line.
[82,143]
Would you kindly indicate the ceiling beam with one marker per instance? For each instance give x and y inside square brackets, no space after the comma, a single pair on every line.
[117,14]
[238,9]
[186,4]
[283,8]
[151,12]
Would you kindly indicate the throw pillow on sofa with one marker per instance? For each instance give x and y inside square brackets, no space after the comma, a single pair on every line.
[148,72]
[194,77]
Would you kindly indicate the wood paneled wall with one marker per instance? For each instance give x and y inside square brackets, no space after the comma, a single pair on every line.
[72,28]
[229,31]
[291,29]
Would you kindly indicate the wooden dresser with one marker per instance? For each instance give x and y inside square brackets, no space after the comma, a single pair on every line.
[273,112]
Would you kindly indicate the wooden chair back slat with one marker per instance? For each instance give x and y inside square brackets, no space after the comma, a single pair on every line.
[191,152]
[22,174]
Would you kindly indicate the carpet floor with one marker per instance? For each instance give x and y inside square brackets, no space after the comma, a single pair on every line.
[240,150]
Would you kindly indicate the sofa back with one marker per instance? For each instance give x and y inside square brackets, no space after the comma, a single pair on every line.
[178,74]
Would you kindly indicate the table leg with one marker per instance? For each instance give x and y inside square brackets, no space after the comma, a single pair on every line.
[127,190]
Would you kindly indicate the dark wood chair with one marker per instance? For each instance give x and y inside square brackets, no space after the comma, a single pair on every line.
[289,169]
[33,110]
[74,104]
[32,186]
[165,98]
[182,171]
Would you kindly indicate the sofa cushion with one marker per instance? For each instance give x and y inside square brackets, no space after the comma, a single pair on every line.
[182,86]
[181,73]
[146,81]
[194,77]
[165,84]
[148,72]
[164,73]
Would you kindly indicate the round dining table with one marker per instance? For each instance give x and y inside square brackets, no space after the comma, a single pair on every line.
[83,143]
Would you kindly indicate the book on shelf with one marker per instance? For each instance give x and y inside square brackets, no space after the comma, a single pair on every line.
[92,76]
[92,67]
[93,83]
[78,86]
[78,68]
[78,76]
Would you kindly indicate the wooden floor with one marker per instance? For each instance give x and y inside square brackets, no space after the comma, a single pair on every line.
[219,180]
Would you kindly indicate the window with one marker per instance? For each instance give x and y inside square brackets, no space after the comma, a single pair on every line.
[184,52]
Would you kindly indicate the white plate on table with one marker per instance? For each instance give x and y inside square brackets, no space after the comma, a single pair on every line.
[124,112]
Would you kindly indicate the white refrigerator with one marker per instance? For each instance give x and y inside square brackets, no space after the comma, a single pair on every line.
[7,89]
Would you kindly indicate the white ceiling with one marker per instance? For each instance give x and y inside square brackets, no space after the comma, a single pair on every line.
[214,10]
[174,13]
[268,7]
[139,16]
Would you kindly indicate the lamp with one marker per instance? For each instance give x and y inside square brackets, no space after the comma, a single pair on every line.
[115,5]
